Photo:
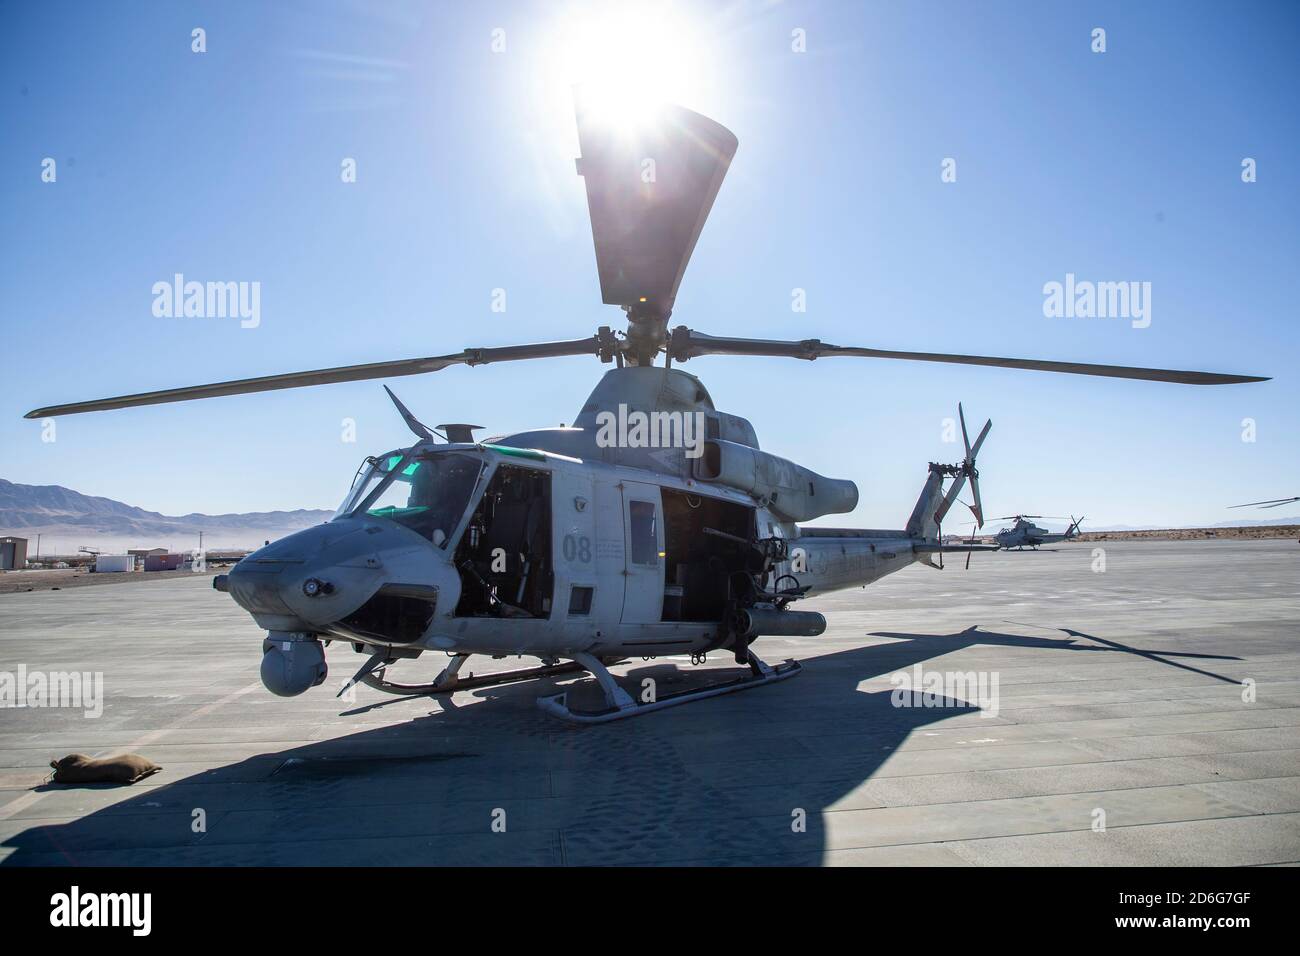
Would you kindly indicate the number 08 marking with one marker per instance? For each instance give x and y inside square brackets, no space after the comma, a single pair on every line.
[577,547]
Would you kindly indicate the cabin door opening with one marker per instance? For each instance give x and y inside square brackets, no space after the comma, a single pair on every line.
[706,555]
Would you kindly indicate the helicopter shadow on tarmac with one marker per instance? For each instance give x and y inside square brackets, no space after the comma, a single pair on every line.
[720,781]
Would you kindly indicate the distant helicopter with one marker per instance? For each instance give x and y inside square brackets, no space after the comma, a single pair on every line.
[1024,533]
[588,545]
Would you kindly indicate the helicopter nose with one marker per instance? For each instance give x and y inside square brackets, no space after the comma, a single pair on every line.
[262,582]
[315,578]
[367,580]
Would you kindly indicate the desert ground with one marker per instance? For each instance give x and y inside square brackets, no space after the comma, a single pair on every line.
[1146,713]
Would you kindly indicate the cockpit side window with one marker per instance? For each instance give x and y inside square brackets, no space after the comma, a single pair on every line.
[644,534]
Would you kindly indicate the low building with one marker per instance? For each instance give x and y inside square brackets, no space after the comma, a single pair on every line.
[114,563]
[164,561]
[142,555]
[13,554]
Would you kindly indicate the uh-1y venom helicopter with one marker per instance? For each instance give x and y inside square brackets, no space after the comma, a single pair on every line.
[1024,533]
[578,552]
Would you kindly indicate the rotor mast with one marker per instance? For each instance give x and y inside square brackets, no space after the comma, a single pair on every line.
[647,335]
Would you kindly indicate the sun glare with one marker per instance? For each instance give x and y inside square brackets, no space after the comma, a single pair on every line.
[624,60]
[629,58]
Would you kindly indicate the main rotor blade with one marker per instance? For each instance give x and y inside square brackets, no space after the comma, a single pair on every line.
[327,376]
[646,219]
[686,344]
[1271,503]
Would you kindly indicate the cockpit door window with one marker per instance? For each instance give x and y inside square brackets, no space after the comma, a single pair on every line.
[427,493]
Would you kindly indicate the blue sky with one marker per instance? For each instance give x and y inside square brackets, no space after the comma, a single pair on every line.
[225,165]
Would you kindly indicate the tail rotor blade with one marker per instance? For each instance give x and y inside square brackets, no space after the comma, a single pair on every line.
[965,438]
[957,484]
[975,478]
[978,507]
[967,471]
[975,450]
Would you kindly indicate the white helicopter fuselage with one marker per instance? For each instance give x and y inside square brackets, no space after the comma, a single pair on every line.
[602,598]
[551,543]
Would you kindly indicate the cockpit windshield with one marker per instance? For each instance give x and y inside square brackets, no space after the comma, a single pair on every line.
[427,492]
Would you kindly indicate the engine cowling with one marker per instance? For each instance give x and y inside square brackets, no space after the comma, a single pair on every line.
[792,491]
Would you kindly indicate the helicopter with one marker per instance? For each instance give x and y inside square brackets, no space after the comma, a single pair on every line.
[654,525]
[1025,532]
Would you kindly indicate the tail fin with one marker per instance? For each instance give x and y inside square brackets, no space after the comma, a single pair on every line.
[922,524]
[1073,530]
[933,504]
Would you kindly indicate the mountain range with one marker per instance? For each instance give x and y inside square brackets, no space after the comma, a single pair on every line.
[67,519]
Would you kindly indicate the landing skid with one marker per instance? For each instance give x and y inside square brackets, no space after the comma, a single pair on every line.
[620,705]
[450,680]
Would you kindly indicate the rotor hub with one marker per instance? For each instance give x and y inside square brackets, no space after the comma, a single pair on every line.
[647,333]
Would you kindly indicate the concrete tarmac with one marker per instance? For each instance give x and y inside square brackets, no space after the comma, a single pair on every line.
[1121,730]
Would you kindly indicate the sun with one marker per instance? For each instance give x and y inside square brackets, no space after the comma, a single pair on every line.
[623,60]
[629,58]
